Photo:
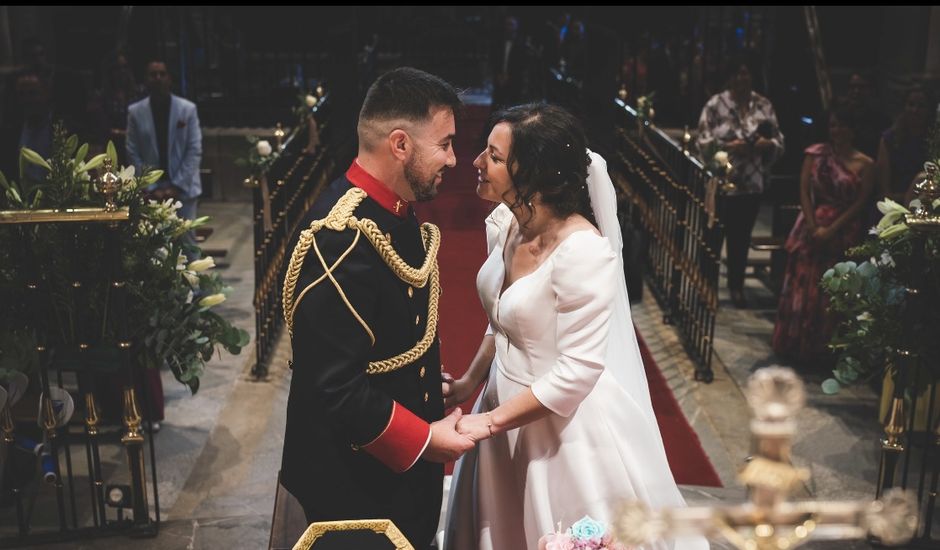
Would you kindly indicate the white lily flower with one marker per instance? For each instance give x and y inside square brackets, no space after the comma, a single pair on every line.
[191,278]
[202,265]
[721,157]
[865,316]
[264,148]
[310,100]
[212,300]
[888,206]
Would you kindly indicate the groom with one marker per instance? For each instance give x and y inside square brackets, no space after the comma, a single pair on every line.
[365,437]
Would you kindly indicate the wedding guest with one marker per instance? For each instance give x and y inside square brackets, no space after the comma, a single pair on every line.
[743,123]
[902,151]
[835,182]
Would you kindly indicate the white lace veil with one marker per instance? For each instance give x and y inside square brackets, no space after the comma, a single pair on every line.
[623,352]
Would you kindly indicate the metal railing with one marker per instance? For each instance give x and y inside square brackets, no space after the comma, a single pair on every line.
[77,361]
[668,192]
[281,198]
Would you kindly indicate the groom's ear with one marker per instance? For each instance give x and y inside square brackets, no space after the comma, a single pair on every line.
[400,144]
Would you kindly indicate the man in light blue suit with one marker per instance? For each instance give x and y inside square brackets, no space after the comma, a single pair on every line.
[163,132]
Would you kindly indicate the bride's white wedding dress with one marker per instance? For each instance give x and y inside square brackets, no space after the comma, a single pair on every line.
[601,447]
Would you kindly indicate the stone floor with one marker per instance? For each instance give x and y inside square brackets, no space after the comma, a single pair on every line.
[219,451]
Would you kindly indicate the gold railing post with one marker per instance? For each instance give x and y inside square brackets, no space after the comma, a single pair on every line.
[133,441]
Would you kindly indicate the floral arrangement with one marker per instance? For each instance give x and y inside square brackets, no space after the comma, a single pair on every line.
[169,299]
[644,107]
[261,155]
[305,104]
[869,296]
[585,534]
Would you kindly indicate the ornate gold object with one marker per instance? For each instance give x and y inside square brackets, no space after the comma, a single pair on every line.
[279,137]
[768,521]
[382,526]
[341,218]
[108,184]
[91,414]
[63,215]
[894,426]
[927,191]
[686,140]
[131,419]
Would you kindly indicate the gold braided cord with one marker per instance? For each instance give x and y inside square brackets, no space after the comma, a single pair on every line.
[293,273]
[325,273]
[329,273]
[430,331]
[341,218]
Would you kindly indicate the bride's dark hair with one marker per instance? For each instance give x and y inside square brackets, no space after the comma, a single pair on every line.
[548,156]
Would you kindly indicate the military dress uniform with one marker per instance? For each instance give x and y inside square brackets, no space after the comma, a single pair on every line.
[366,360]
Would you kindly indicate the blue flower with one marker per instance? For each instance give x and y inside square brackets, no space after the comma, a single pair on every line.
[587,528]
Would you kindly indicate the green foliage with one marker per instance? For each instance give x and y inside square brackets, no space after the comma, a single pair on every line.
[169,300]
[870,299]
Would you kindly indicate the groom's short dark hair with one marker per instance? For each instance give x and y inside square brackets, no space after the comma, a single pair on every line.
[406,94]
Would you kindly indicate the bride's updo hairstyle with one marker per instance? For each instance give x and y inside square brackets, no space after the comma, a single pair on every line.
[548,156]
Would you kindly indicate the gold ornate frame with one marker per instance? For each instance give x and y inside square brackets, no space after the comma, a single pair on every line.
[382,526]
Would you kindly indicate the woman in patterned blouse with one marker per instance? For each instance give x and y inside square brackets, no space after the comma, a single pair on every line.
[741,122]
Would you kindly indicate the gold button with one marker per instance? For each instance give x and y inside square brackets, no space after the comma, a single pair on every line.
[426,397]
[421,372]
[417,319]
[411,292]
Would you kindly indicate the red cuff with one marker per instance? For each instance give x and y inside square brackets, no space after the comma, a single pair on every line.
[403,440]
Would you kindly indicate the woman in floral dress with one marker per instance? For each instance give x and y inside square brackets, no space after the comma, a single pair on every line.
[835,182]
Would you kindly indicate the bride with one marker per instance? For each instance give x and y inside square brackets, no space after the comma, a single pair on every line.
[565,425]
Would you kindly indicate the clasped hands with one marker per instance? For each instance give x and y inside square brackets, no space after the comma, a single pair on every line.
[456,433]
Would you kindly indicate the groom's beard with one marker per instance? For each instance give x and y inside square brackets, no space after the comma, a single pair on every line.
[422,186]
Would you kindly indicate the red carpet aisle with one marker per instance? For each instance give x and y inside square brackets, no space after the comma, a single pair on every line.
[687,459]
[460,214]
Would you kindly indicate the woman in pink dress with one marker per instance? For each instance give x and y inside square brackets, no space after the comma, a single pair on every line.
[835,183]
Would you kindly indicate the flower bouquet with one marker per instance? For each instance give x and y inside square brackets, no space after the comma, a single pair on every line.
[261,155]
[644,108]
[585,534]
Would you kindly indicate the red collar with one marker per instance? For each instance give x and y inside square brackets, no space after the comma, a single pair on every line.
[377,190]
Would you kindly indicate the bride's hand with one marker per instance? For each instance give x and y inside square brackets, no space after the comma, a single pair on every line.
[475,426]
[455,391]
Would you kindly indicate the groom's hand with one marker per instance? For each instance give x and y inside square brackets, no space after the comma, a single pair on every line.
[446,444]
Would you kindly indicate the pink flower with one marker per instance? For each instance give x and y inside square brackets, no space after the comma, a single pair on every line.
[556,541]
